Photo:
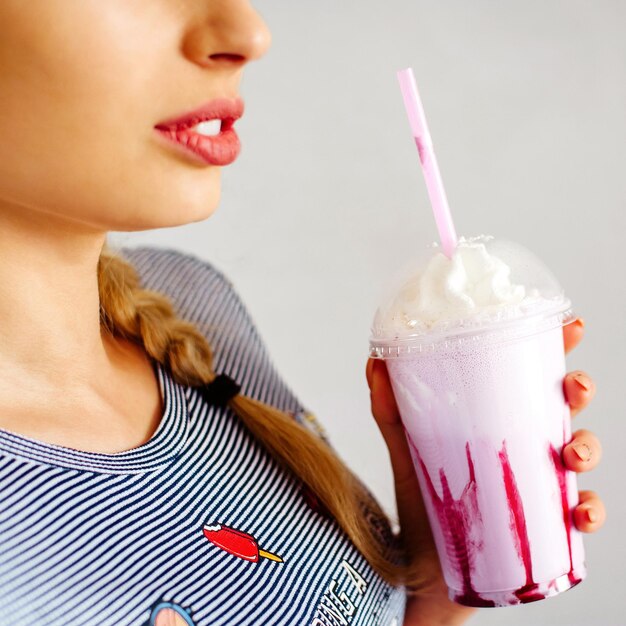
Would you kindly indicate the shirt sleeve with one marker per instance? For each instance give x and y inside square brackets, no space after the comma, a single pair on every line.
[204,295]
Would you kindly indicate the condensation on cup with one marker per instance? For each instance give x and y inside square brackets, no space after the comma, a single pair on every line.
[474,349]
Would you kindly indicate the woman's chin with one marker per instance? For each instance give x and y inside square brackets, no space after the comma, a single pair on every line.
[189,208]
[171,216]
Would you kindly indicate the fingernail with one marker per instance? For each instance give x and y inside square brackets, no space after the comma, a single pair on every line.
[582,381]
[592,516]
[582,450]
[580,321]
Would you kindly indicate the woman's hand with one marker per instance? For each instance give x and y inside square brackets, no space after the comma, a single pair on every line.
[432,607]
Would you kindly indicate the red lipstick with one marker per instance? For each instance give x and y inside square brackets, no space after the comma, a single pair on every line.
[219,149]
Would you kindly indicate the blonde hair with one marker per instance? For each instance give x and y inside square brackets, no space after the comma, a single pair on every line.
[147,317]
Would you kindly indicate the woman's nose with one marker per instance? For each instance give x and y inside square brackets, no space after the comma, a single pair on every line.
[234,33]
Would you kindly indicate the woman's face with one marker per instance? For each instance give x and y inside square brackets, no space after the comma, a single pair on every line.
[82,85]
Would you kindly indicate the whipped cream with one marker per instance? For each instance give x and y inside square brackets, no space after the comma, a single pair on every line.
[471,287]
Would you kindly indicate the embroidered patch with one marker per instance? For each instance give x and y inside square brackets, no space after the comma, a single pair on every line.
[170,611]
[237,543]
[341,599]
[313,502]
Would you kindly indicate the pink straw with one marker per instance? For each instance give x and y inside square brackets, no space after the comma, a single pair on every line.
[434,184]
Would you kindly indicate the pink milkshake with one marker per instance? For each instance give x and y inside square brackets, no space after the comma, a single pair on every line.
[474,349]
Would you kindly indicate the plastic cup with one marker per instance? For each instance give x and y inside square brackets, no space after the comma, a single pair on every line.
[479,385]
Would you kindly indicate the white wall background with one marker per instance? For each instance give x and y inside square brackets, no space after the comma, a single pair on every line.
[526,104]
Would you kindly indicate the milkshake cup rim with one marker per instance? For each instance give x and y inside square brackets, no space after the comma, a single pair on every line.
[473,336]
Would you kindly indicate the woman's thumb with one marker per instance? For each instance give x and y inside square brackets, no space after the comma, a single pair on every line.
[384,406]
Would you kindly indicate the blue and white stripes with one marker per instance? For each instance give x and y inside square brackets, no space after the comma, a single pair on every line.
[108,539]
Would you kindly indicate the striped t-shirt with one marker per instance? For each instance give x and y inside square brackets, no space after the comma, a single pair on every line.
[200,519]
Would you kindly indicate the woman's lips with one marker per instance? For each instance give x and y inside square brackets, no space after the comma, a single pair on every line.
[220,149]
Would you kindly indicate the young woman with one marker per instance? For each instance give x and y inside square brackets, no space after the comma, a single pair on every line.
[154,467]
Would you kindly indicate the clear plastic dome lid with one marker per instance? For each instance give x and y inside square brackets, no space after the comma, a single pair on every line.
[488,285]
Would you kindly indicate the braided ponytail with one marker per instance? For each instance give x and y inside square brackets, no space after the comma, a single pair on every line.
[147,318]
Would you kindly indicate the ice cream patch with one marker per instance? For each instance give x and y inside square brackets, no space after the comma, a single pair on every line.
[237,543]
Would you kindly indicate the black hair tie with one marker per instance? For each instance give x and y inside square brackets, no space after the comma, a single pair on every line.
[220,390]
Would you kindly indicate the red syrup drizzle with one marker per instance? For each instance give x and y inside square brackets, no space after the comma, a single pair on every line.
[528,592]
[454,518]
[560,469]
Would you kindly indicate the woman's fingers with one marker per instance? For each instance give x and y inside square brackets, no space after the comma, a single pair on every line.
[583,452]
[590,513]
[579,390]
[573,334]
